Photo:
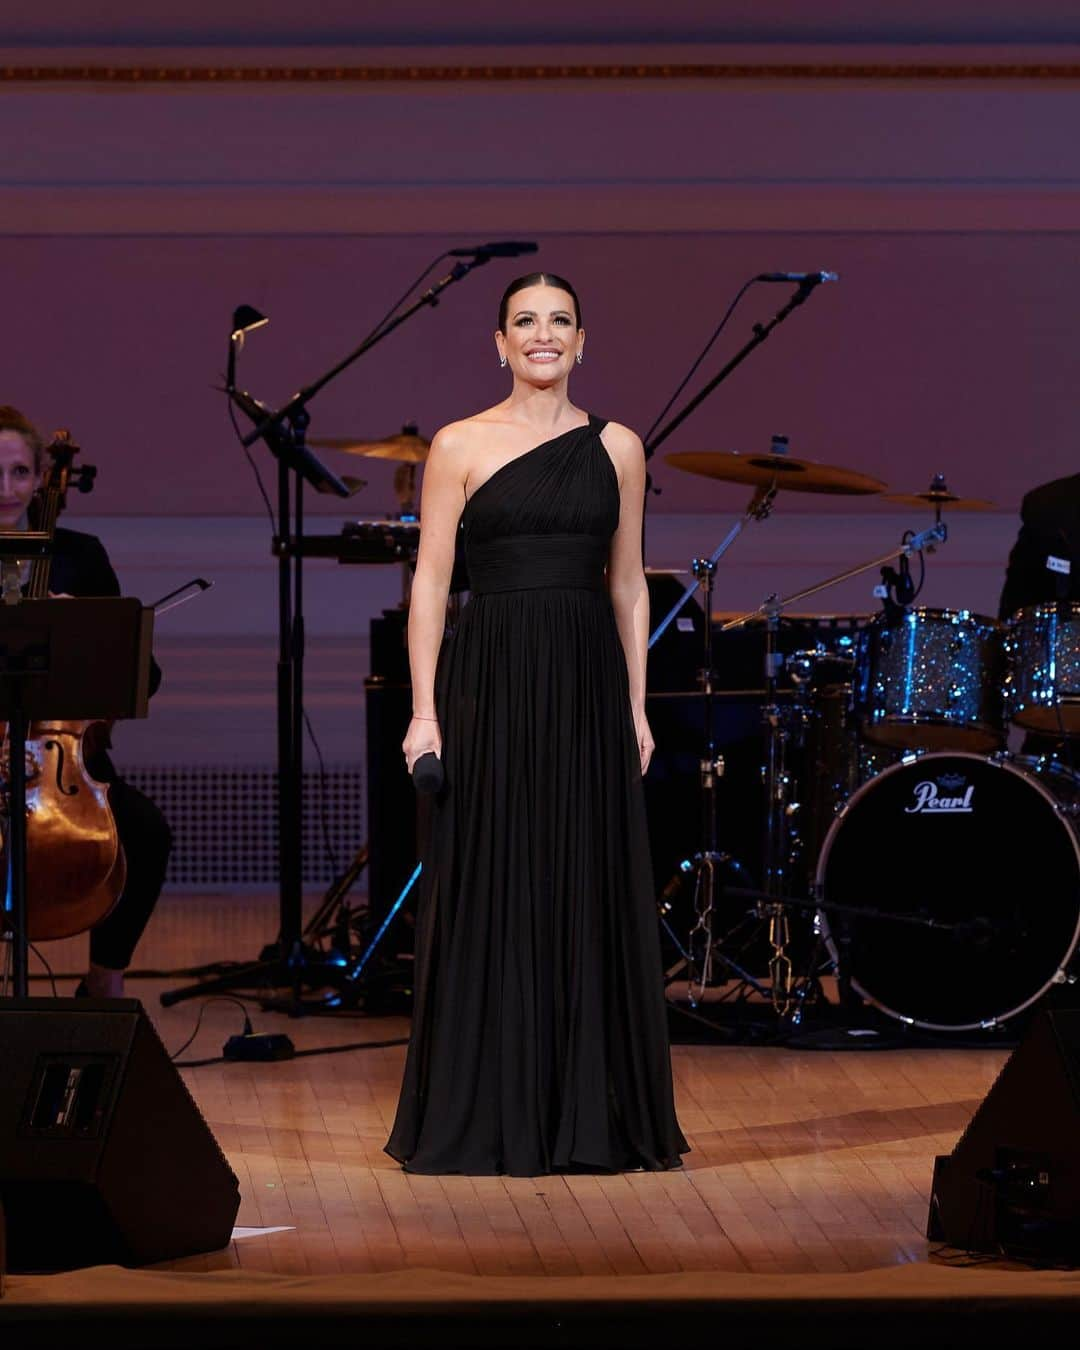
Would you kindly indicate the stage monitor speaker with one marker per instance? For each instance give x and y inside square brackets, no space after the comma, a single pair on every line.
[1012,1183]
[104,1156]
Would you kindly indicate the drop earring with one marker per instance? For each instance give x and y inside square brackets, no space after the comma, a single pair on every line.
[502,362]
[580,357]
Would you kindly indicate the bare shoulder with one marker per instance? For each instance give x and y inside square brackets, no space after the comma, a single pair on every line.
[624,446]
[467,434]
[451,446]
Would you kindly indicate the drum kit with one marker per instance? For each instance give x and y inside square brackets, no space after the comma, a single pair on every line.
[906,851]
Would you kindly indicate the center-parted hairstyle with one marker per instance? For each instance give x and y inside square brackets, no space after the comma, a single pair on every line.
[537,279]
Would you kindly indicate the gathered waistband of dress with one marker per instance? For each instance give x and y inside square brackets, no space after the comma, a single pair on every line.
[533,562]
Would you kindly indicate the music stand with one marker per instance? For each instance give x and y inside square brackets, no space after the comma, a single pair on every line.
[62,660]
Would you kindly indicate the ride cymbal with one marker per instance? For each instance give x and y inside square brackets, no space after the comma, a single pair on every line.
[771,470]
[939,500]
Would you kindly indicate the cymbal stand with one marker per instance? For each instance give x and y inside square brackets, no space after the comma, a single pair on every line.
[761,505]
[787,998]
[707,865]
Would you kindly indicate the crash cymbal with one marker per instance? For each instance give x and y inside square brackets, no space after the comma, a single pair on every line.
[768,470]
[407,446]
[939,501]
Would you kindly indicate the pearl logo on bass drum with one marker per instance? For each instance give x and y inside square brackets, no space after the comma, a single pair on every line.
[930,801]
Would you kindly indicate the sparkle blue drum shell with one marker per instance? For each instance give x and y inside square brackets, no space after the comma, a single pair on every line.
[932,681]
[1042,688]
[949,887]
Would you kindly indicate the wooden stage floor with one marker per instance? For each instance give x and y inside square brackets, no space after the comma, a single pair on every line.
[813,1165]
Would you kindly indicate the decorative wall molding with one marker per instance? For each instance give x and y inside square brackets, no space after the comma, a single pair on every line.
[529,73]
[492,209]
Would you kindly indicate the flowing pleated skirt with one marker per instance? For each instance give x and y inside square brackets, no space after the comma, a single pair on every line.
[539,1039]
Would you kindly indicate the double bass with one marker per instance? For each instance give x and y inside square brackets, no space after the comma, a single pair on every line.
[75,867]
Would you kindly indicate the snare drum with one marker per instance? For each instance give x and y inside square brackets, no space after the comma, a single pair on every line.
[932,681]
[1042,688]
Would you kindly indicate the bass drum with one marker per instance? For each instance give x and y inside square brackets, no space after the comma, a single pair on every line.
[949,887]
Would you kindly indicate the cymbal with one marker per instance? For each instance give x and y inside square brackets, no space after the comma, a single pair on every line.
[407,446]
[940,500]
[782,471]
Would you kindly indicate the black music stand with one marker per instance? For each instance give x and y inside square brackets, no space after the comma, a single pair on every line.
[61,659]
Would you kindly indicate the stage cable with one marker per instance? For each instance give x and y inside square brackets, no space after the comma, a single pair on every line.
[251,461]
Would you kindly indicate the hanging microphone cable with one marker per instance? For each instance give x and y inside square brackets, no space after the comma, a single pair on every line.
[806,281]
[704,352]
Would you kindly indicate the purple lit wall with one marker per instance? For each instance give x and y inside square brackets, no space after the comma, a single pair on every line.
[134,217]
[948,352]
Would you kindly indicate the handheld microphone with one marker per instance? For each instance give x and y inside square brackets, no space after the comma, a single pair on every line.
[427,773]
[501,248]
[803,278]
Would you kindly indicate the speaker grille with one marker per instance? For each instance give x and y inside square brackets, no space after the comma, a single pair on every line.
[224,822]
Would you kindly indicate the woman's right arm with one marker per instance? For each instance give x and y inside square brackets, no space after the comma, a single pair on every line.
[441,503]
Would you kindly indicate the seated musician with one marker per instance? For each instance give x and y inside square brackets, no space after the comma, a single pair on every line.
[1044,564]
[81,567]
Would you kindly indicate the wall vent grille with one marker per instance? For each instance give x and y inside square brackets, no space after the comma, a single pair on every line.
[223,819]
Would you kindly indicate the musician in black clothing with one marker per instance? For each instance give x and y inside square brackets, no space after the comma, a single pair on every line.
[1041,564]
[81,566]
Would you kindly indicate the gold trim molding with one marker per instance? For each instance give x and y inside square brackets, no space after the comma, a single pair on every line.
[870,72]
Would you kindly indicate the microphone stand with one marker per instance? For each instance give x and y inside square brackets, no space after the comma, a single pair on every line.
[761,331]
[430,298]
[289,962]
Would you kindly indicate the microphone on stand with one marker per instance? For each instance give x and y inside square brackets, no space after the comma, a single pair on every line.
[803,278]
[504,248]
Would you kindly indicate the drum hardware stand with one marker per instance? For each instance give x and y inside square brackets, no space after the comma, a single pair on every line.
[706,866]
[773,907]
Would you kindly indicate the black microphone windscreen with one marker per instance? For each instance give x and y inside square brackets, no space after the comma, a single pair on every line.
[427,772]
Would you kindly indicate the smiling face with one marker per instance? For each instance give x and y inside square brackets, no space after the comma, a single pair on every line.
[18,479]
[542,339]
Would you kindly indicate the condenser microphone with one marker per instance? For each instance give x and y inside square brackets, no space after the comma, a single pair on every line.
[803,278]
[501,248]
[427,773]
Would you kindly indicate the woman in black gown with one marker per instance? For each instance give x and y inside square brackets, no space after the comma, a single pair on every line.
[539,1039]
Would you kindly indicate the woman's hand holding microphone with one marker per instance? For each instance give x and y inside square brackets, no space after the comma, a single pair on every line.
[423,753]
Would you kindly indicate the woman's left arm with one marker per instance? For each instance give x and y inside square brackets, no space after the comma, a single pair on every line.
[626,575]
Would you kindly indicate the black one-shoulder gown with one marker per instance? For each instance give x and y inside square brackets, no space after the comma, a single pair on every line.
[539,1039]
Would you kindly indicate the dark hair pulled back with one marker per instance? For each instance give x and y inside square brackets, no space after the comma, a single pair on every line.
[537,279]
